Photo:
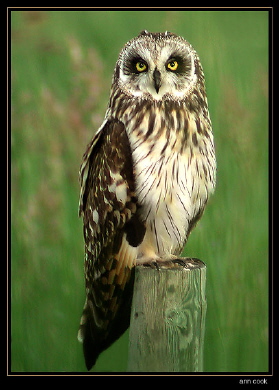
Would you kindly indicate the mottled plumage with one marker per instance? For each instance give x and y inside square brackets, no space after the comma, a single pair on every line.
[145,178]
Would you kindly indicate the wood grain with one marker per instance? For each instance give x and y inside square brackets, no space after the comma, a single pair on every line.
[168,317]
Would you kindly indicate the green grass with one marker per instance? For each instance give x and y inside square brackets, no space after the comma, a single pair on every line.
[62,64]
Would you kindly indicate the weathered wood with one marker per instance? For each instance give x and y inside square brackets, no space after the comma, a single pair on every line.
[168,318]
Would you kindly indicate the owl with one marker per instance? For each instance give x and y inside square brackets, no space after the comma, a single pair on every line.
[146,177]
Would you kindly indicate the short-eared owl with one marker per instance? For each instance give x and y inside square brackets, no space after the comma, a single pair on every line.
[146,177]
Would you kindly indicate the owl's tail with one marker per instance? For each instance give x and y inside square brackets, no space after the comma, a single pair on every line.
[97,332]
[88,335]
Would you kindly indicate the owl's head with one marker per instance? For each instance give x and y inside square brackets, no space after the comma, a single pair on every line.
[158,66]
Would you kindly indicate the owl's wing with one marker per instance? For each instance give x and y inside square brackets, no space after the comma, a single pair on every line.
[112,231]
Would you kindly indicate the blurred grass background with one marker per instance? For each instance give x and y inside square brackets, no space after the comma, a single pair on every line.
[62,63]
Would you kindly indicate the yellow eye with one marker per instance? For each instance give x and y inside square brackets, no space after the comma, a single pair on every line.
[141,66]
[172,65]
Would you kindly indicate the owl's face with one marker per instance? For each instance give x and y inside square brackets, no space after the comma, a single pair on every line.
[157,66]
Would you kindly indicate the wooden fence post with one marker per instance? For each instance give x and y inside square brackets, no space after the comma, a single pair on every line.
[168,318]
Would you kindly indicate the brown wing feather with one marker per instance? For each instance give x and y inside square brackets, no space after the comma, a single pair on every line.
[112,231]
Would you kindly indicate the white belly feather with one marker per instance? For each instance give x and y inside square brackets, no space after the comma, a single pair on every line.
[170,191]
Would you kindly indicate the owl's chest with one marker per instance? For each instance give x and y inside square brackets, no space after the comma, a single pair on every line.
[169,190]
[173,176]
[165,178]
[169,168]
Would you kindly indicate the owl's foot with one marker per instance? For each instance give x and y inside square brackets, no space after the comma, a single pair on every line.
[170,261]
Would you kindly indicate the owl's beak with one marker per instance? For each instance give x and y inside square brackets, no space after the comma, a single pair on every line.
[157,79]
